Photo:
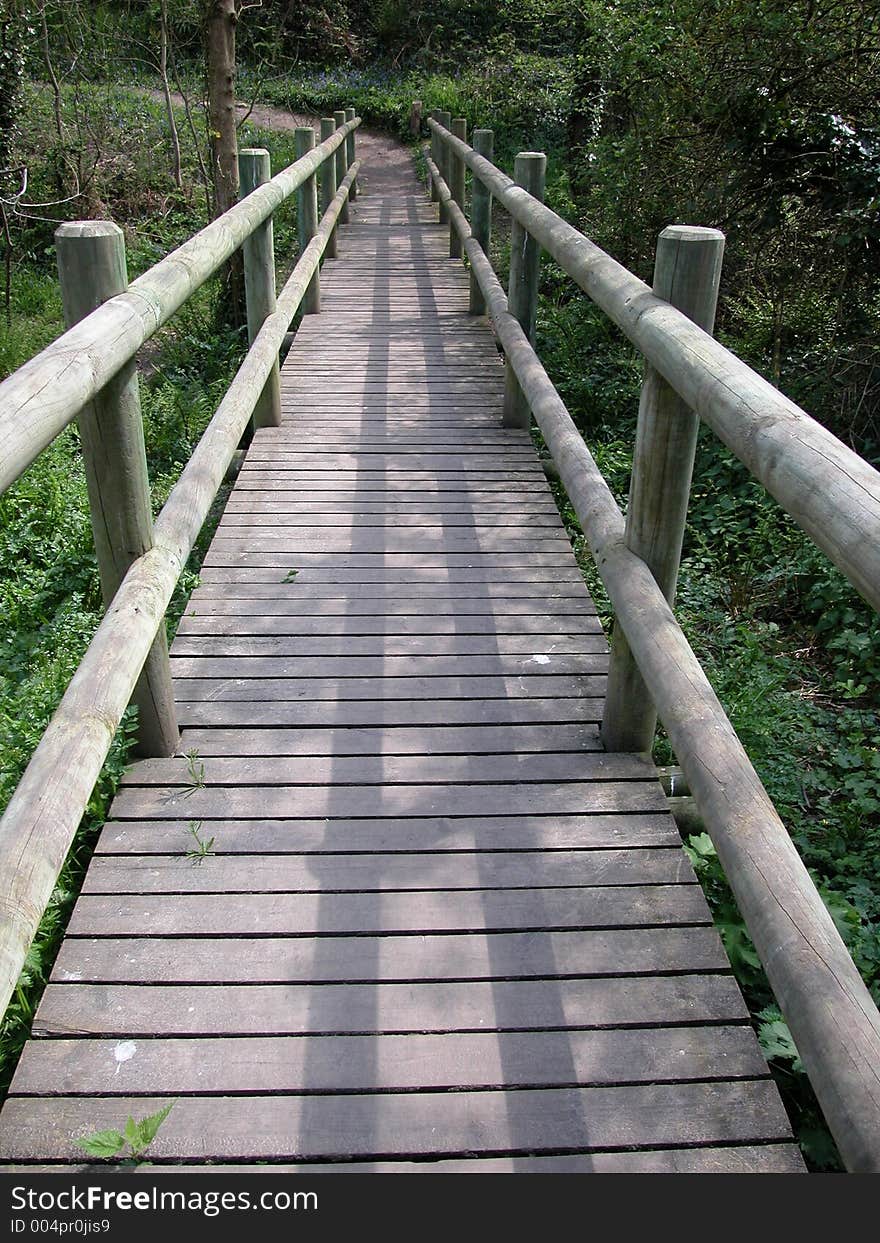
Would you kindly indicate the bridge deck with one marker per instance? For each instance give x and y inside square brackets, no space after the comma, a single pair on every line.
[436,920]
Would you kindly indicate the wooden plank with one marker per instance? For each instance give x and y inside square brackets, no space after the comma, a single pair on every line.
[552,578]
[445,598]
[436,1123]
[506,957]
[435,565]
[374,519]
[338,543]
[331,1064]
[390,770]
[504,463]
[364,483]
[312,914]
[238,802]
[401,513]
[404,833]
[455,603]
[384,740]
[222,688]
[385,645]
[308,631]
[392,669]
[257,713]
[362,873]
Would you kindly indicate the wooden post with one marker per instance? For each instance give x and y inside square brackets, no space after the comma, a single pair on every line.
[307,216]
[350,115]
[529,171]
[328,182]
[92,268]
[341,163]
[481,214]
[456,185]
[686,274]
[255,169]
[444,119]
[435,156]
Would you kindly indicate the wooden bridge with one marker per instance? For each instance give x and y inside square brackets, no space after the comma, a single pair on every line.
[395,900]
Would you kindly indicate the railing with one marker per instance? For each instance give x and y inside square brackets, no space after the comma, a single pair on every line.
[830,491]
[90,372]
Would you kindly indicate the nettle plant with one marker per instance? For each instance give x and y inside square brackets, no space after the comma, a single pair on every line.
[136,1138]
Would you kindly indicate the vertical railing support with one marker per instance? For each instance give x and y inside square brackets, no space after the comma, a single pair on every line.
[456,185]
[92,268]
[341,163]
[481,214]
[444,119]
[435,156]
[255,169]
[686,274]
[350,115]
[307,216]
[328,183]
[529,171]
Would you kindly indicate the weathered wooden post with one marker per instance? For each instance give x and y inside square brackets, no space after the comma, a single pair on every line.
[255,169]
[341,163]
[687,272]
[444,119]
[307,216]
[435,156]
[328,183]
[457,185]
[529,171]
[481,214]
[92,268]
[350,115]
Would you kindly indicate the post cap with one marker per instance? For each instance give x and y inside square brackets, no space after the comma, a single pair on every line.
[88,228]
[691,233]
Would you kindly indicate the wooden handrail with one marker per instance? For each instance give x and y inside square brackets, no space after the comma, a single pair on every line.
[832,1016]
[42,397]
[43,814]
[831,492]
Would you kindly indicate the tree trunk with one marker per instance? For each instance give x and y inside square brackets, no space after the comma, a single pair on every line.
[166,89]
[220,65]
[220,22]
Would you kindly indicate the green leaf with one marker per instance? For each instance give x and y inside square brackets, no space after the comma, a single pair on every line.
[739,947]
[776,1041]
[102,1143]
[701,844]
[131,1132]
[148,1127]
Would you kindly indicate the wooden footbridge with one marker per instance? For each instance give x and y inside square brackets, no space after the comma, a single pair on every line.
[405,893]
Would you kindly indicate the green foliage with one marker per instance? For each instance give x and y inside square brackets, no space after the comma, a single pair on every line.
[15,31]
[195,771]
[201,847]
[136,1137]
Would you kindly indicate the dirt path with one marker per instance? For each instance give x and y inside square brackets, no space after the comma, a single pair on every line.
[372,146]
